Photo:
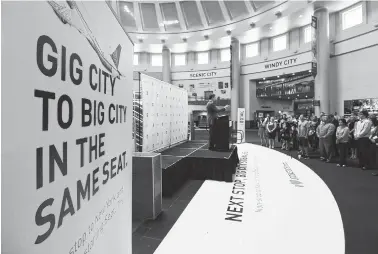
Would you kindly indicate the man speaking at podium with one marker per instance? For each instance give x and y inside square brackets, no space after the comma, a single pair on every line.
[212,115]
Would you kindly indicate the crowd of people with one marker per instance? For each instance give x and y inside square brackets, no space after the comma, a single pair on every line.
[334,137]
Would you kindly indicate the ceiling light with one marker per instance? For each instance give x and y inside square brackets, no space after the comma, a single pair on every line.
[270,28]
[309,71]
[306,96]
[300,16]
[278,76]
[278,14]
[206,37]
[263,78]
[228,32]
[252,25]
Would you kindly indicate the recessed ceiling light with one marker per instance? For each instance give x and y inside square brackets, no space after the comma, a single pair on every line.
[263,78]
[306,96]
[270,28]
[278,76]
[309,71]
[300,16]
[293,74]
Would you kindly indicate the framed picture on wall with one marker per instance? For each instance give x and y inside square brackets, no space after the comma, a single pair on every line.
[207,94]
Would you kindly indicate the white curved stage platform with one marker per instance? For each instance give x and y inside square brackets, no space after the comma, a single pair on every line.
[275,205]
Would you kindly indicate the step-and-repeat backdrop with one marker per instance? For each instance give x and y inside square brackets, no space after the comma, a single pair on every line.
[161,114]
[67,125]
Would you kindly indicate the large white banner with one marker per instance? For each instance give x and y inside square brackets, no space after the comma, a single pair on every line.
[67,126]
[276,204]
[163,119]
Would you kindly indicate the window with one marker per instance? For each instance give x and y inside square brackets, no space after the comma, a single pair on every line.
[136,59]
[180,60]
[307,34]
[225,55]
[156,60]
[352,17]
[203,58]
[252,50]
[280,43]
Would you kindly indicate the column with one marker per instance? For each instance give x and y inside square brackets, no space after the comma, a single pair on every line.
[235,78]
[167,65]
[323,50]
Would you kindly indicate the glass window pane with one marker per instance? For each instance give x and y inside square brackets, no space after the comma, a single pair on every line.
[156,60]
[352,17]
[225,55]
[149,17]
[170,16]
[136,59]
[203,58]
[279,43]
[191,14]
[307,34]
[213,12]
[252,50]
[127,15]
[180,60]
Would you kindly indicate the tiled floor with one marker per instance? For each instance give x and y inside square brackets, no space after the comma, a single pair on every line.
[149,235]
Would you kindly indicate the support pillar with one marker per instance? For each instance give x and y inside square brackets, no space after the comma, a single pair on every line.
[235,78]
[323,51]
[167,77]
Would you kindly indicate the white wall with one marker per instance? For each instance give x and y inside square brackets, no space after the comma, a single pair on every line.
[354,66]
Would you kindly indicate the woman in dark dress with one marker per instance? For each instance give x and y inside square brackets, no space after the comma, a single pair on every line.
[271,129]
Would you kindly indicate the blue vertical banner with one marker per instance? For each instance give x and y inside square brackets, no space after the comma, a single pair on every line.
[314,27]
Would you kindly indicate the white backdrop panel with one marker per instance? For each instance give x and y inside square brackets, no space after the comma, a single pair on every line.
[165,114]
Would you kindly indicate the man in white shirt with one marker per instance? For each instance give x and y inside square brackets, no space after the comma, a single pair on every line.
[362,134]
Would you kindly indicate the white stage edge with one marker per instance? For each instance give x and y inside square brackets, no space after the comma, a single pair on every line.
[275,205]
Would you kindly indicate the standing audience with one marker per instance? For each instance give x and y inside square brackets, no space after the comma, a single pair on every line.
[271,128]
[303,130]
[342,138]
[362,134]
[352,142]
[325,134]
[332,134]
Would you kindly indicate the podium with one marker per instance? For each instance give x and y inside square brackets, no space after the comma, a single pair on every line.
[221,134]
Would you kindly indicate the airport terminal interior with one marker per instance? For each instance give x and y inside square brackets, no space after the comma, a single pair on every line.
[199,126]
